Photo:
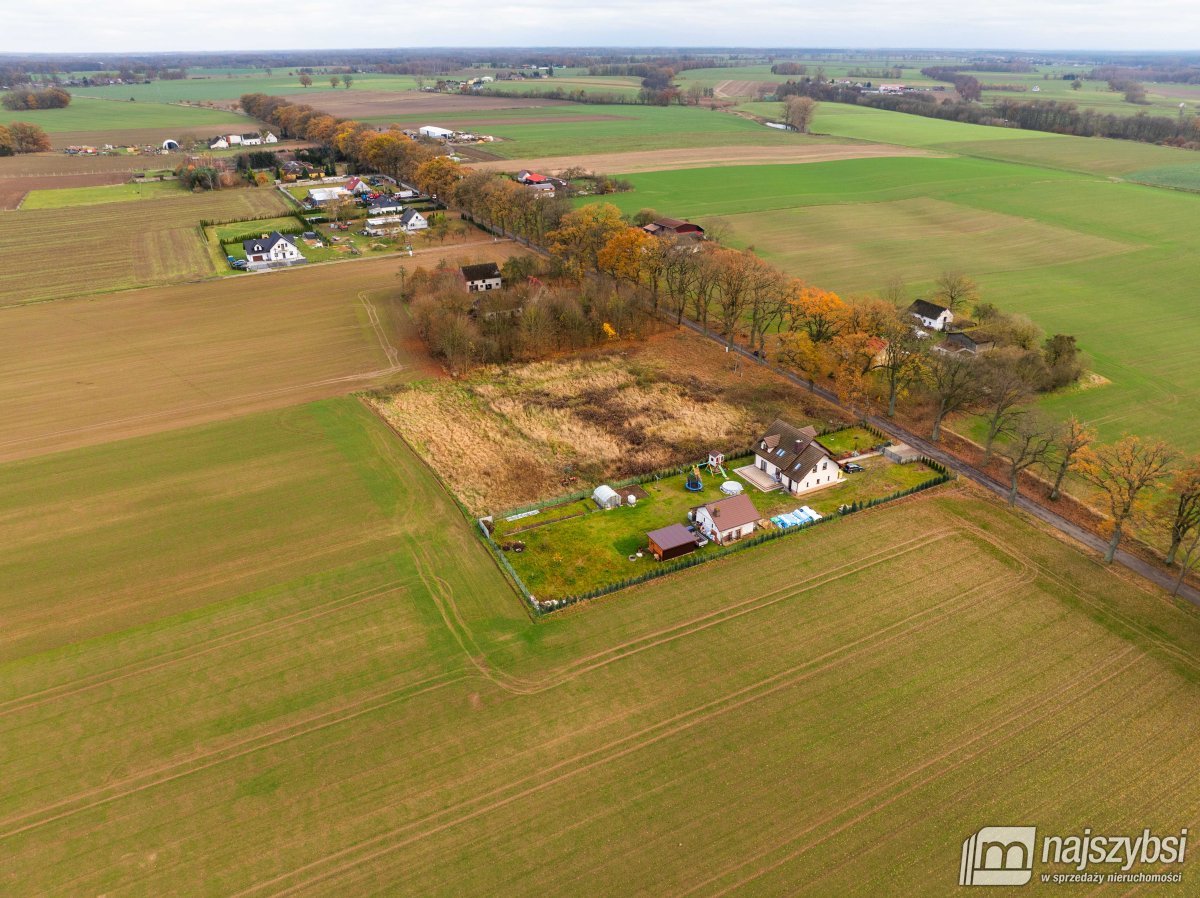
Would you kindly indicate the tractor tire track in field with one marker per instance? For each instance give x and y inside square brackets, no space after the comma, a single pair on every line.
[574,669]
[195,650]
[1048,706]
[390,352]
[622,746]
[1000,773]
[179,769]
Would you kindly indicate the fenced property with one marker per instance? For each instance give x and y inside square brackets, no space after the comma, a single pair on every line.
[568,549]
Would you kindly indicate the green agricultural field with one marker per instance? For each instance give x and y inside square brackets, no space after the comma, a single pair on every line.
[630,128]
[318,627]
[115,117]
[116,246]
[1069,250]
[220,88]
[62,198]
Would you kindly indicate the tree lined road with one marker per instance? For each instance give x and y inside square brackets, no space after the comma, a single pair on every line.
[1157,575]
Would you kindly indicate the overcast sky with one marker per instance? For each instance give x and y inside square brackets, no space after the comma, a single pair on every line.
[150,25]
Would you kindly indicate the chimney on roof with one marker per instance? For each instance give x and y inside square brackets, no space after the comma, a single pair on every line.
[799,445]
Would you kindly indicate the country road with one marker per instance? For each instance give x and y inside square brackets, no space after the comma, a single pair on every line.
[1158,575]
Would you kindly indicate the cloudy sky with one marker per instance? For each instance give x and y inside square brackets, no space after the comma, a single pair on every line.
[150,25]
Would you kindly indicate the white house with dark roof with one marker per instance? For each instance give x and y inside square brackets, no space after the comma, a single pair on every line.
[792,457]
[273,251]
[252,140]
[412,220]
[930,314]
[481,277]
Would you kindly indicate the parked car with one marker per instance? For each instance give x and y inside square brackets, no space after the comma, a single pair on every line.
[851,468]
[240,264]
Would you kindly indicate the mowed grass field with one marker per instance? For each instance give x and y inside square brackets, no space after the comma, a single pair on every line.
[1082,254]
[60,198]
[56,252]
[302,691]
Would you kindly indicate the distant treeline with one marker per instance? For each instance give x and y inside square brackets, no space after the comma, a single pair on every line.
[1184,74]
[22,98]
[968,86]
[1057,117]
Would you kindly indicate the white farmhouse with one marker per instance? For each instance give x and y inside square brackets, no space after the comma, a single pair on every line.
[931,315]
[270,138]
[412,220]
[792,457]
[726,520]
[218,143]
[482,277]
[272,251]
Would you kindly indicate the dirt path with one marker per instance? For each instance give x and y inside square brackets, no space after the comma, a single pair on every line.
[703,157]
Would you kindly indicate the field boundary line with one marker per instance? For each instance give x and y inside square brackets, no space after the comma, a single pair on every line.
[632,742]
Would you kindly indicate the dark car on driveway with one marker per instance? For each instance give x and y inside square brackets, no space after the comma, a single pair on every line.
[851,468]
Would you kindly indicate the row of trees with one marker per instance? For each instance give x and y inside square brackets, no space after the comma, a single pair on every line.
[1056,116]
[335,81]
[22,137]
[23,98]
[870,347]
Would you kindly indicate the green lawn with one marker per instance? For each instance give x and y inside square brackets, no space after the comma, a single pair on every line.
[576,553]
[849,439]
[222,88]
[92,196]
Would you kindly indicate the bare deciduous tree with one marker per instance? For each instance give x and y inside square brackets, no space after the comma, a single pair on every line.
[1124,471]
[954,382]
[1073,438]
[1031,437]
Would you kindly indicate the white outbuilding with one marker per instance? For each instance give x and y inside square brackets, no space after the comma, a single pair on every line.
[435,132]
[606,497]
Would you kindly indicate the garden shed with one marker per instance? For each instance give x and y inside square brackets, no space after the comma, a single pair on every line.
[606,497]
[671,542]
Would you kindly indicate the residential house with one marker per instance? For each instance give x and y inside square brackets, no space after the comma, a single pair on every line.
[484,276]
[358,186]
[930,314]
[674,227]
[792,457]
[270,138]
[218,143]
[412,220]
[272,251]
[530,177]
[726,520]
[251,140]
[542,189]
[385,205]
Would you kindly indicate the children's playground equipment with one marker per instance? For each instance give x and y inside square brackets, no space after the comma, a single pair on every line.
[694,482]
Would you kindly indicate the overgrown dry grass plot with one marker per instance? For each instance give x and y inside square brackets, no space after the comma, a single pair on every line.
[507,436]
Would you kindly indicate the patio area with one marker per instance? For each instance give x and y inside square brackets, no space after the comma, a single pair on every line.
[757,478]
